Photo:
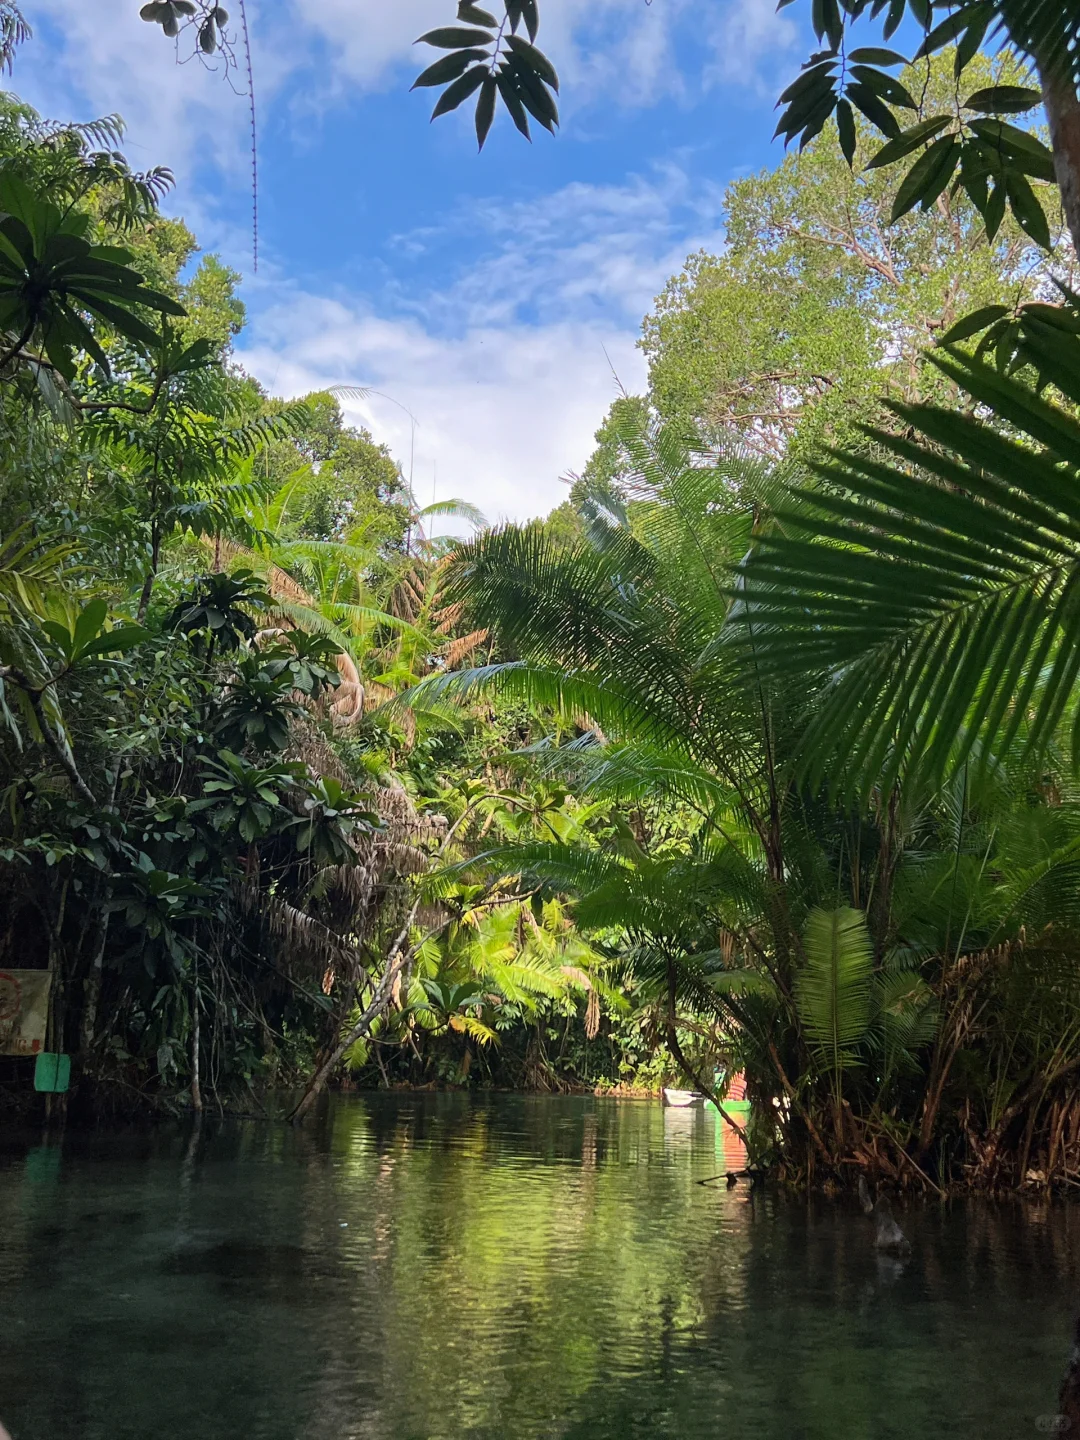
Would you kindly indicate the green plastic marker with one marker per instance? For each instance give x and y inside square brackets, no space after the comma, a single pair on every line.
[52,1073]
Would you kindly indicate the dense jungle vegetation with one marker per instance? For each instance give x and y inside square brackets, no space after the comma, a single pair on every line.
[759,754]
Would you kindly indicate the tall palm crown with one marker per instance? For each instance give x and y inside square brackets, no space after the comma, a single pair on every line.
[618,633]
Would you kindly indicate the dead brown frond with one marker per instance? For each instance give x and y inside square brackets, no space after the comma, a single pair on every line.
[457,650]
[592,1015]
[448,617]
[302,940]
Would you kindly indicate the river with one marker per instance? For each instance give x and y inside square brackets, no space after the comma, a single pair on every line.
[507,1267]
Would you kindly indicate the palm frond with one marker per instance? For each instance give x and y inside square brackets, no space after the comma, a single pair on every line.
[832,988]
[933,595]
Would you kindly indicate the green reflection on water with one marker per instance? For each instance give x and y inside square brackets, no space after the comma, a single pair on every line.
[424,1268]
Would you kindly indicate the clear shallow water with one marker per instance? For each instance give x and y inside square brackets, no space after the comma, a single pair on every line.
[432,1267]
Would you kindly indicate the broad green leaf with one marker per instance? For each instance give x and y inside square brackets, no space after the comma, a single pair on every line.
[827,21]
[887,86]
[122,637]
[995,211]
[448,68]
[874,108]
[1030,215]
[88,624]
[1010,99]
[928,177]
[973,323]
[966,17]
[485,109]
[1020,144]
[473,15]
[908,140]
[810,77]
[845,125]
[804,105]
[535,96]
[460,90]
[512,100]
[893,18]
[535,59]
[875,55]
[455,37]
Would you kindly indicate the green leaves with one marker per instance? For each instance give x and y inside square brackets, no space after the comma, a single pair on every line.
[973,323]
[53,282]
[1033,334]
[460,90]
[827,21]
[218,611]
[1007,147]
[473,15]
[886,86]
[485,109]
[813,97]
[928,177]
[875,55]
[997,160]
[88,638]
[810,99]
[1003,99]
[493,61]
[155,901]
[935,592]
[209,19]
[453,37]
[986,150]
[907,141]
[845,125]
[833,986]
[450,67]
[246,797]
[1030,215]
[533,60]
[971,19]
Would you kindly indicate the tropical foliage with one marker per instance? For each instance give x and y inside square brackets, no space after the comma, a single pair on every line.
[759,756]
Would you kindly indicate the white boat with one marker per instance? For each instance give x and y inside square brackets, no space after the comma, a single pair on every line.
[682,1097]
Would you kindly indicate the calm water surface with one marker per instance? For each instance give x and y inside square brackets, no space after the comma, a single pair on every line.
[424,1268]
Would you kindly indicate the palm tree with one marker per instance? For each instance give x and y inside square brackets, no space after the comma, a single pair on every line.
[849,957]
[385,618]
[712,881]
[927,590]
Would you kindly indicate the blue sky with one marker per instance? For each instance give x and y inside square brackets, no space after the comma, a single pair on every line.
[485,294]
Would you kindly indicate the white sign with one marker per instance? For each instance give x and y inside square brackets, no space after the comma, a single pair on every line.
[24,1011]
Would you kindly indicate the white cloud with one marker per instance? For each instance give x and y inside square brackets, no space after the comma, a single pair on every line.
[506,364]
[313,53]
[620,47]
[748,38]
[97,56]
[509,370]
[588,251]
[502,413]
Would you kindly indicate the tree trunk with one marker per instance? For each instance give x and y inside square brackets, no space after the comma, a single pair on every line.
[151,574]
[92,990]
[380,1003]
[196,1088]
[1063,117]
